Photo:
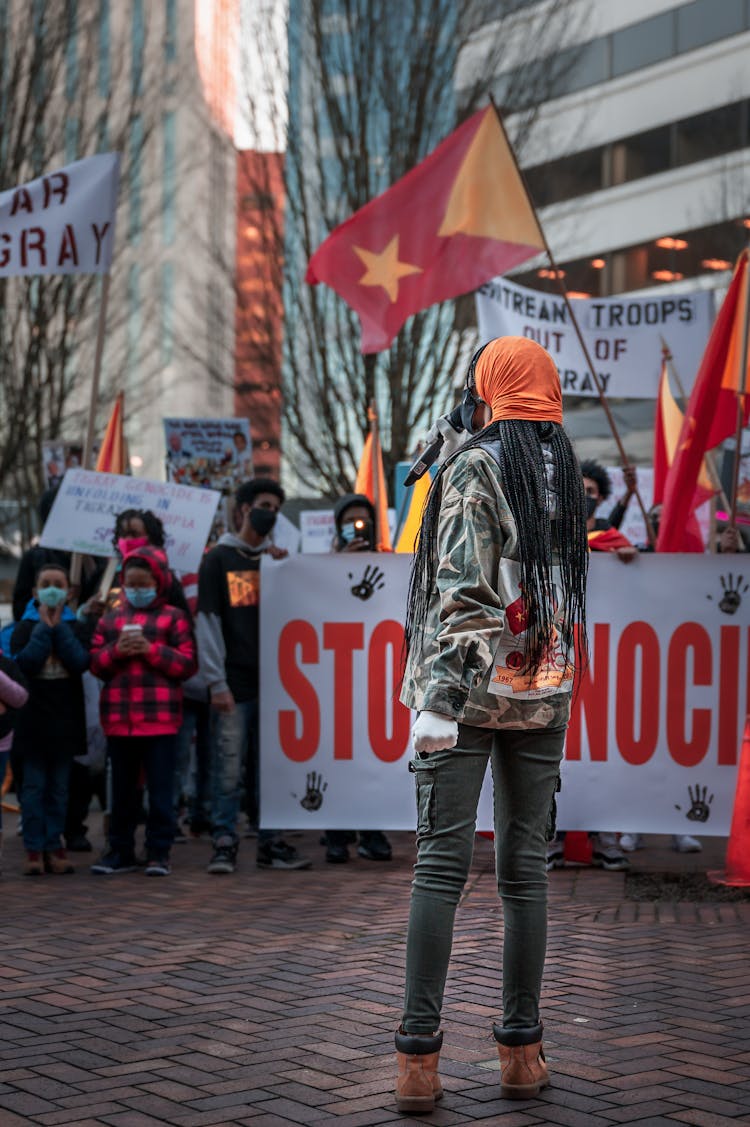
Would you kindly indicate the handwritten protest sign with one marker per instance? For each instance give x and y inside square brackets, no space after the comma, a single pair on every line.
[83,515]
[61,223]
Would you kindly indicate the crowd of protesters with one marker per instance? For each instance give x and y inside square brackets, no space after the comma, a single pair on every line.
[174,664]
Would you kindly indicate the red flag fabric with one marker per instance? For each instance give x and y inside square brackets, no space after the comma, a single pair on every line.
[710,417]
[456,220]
[607,540]
[111,458]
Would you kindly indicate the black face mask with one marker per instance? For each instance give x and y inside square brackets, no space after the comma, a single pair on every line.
[262,520]
[591,506]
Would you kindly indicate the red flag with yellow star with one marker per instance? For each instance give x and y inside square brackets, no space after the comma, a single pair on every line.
[711,413]
[457,219]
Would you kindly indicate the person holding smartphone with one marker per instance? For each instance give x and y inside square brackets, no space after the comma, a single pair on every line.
[354,516]
[143,650]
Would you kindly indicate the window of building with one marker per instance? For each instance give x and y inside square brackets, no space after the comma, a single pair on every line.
[104,49]
[137,44]
[135,322]
[167,312]
[71,139]
[710,134]
[575,68]
[169,179]
[170,38]
[669,259]
[705,21]
[71,51]
[135,179]
[642,44]
[642,154]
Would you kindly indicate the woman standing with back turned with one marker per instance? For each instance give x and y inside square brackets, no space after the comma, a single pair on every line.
[495,618]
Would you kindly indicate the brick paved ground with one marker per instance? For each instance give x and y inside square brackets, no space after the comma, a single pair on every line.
[269,999]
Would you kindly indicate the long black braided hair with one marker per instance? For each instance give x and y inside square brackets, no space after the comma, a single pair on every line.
[519,445]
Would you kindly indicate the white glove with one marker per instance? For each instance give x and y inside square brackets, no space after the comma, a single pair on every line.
[452,439]
[433,732]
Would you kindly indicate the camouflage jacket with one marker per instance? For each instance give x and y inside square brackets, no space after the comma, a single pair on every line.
[450,669]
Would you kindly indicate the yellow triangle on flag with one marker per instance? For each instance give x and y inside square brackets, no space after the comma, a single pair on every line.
[410,528]
[672,420]
[488,197]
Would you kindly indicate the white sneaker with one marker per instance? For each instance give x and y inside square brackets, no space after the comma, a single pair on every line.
[631,842]
[685,843]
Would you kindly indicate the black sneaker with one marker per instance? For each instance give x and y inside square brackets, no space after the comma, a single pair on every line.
[279,855]
[224,859]
[157,866]
[374,846]
[79,843]
[336,854]
[114,862]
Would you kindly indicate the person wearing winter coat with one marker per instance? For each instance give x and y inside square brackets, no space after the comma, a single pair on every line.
[143,650]
[52,650]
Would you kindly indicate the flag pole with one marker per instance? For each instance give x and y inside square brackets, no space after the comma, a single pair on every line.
[625,461]
[741,393]
[709,457]
[76,562]
[374,450]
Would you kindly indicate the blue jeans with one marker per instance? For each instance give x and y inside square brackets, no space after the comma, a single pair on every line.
[191,779]
[524,773]
[156,754]
[44,801]
[234,764]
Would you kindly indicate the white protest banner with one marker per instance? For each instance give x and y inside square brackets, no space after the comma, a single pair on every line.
[212,453]
[318,529]
[82,518]
[623,334]
[61,223]
[656,730]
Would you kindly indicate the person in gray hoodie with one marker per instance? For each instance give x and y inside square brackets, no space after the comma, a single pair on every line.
[228,650]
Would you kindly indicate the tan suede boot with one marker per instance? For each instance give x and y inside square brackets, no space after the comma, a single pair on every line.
[418,1084]
[57,862]
[34,866]
[523,1069]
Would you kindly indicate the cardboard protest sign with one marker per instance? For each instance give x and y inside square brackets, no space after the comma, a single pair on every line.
[210,453]
[83,515]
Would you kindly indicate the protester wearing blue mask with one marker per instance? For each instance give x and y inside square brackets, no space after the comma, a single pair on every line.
[143,650]
[52,649]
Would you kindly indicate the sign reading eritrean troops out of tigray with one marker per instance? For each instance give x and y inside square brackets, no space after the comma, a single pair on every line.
[623,334]
[82,518]
[653,743]
[61,223]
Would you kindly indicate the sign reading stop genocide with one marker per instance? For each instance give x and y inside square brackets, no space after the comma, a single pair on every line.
[657,725]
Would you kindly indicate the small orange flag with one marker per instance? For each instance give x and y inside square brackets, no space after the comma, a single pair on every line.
[455,221]
[111,457]
[371,482]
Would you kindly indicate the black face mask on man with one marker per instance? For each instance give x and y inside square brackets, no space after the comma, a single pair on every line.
[591,506]
[262,520]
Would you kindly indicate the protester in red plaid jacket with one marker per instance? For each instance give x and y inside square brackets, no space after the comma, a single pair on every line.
[143,650]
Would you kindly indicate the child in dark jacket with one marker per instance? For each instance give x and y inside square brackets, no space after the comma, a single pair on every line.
[51,649]
[143,650]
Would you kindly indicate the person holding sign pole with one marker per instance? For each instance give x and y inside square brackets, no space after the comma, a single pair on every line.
[495,628]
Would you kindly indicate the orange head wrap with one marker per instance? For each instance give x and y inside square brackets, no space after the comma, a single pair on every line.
[519,380]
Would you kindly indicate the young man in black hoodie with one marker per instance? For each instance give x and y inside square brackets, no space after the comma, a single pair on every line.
[228,652]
